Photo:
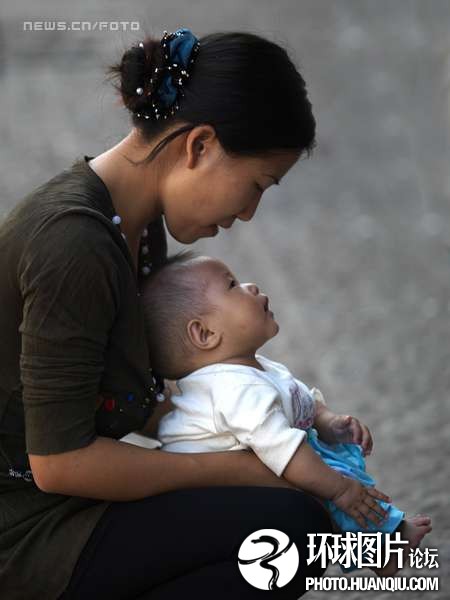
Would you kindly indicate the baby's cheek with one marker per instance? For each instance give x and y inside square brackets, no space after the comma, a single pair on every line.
[245,320]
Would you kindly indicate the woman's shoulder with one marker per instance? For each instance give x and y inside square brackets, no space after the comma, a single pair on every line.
[75,191]
[70,215]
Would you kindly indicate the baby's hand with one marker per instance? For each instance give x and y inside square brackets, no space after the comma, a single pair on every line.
[348,429]
[358,501]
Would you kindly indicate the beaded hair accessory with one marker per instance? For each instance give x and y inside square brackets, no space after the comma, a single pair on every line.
[165,88]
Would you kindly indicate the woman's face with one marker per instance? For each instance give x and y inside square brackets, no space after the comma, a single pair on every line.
[206,188]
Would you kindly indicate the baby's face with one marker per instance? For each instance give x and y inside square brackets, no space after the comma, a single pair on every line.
[240,312]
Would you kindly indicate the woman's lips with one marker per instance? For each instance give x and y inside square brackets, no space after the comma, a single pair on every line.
[226,224]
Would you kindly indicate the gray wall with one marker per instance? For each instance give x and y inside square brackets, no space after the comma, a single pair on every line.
[353,248]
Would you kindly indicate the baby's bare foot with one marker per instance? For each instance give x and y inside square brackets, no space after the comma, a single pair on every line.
[413,530]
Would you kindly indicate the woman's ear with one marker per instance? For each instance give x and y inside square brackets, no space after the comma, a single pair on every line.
[201,336]
[198,142]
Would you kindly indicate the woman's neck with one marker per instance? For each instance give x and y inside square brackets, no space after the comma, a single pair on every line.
[133,189]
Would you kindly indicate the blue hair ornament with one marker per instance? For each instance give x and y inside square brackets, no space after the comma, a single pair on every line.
[179,51]
[177,48]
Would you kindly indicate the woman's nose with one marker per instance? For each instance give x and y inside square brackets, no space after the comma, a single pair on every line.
[248,213]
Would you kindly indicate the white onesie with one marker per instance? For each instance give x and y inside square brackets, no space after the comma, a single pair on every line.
[236,407]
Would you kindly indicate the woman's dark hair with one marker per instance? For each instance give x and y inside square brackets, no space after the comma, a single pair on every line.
[244,86]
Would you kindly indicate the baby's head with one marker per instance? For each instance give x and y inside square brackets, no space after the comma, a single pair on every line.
[197,313]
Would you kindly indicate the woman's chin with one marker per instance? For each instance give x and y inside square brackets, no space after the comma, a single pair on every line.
[192,236]
[183,237]
[207,232]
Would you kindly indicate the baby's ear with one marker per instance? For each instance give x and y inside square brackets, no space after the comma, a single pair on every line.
[201,336]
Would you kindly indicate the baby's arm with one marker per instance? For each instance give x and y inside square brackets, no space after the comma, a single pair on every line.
[333,428]
[323,418]
[306,470]
[254,414]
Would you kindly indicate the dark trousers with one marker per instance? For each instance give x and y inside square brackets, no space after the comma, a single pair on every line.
[184,544]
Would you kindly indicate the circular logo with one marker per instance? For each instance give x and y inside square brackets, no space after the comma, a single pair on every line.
[268,559]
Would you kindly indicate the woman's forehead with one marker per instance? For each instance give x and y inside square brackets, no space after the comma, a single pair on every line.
[274,165]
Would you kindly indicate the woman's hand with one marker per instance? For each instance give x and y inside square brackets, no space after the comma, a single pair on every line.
[359,502]
[162,408]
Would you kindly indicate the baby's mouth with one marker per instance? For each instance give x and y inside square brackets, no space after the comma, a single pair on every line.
[266,305]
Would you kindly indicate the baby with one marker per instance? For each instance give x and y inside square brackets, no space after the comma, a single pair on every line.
[205,328]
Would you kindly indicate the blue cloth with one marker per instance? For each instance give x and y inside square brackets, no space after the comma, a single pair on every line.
[180,50]
[348,459]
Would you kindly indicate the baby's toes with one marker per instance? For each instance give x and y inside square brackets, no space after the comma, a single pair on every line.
[421,520]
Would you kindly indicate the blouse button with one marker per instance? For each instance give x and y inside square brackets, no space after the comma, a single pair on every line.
[109,404]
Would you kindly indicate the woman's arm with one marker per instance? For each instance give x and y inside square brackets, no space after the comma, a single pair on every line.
[109,469]
[162,408]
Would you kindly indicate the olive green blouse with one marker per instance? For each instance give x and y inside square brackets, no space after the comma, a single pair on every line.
[73,365]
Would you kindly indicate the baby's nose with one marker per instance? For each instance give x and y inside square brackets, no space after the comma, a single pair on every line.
[253,288]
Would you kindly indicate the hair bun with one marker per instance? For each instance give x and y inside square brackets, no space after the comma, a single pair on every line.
[238,82]
[134,73]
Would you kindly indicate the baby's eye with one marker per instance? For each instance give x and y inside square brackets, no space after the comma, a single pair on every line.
[232,283]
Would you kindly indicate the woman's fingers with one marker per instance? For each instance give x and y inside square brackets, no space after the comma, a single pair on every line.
[369,510]
[374,507]
[372,491]
[171,387]
[369,514]
[367,507]
[359,518]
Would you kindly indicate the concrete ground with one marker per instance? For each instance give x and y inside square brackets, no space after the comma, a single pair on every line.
[353,248]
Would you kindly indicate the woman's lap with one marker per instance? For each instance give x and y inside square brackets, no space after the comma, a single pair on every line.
[184,542]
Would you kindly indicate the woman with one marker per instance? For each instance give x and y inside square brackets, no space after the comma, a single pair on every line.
[215,123]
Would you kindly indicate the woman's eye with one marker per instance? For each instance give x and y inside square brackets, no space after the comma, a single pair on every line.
[259,188]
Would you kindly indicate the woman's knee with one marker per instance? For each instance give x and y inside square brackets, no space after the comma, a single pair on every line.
[305,510]
[296,514]
[295,509]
